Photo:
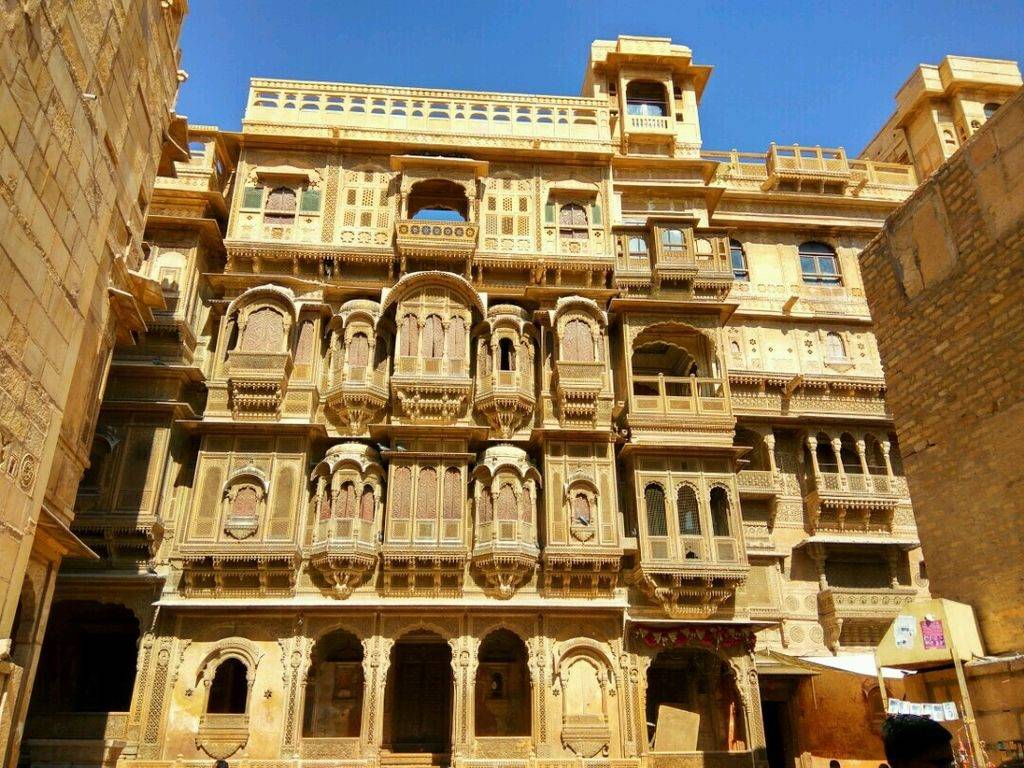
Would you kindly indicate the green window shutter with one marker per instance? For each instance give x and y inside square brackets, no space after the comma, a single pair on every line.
[596,214]
[549,213]
[253,197]
[310,201]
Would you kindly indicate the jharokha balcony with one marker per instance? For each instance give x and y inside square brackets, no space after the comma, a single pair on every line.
[257,380]
[441,240]
[813,169]
[850,486]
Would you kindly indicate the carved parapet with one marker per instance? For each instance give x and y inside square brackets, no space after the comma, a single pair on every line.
[690,591]
[221,735]
[505,566]
[423,571]
[838,501]
[442,240]
[568,572]
[120,536]
[358,401]
[258,570]
[869,610]
[578,387]
[344,565]
[257,381]
[814,168]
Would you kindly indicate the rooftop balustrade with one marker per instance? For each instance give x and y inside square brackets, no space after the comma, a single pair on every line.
[450,117]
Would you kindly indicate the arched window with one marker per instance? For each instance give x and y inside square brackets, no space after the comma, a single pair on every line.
[410,336]
[654,498]
[456,339]
[367,503]
[849,456]
[506,355]
[245,502]
[720,511]
[644,97]
[826,454]
[264,331]
[990,109]
[688,511]
[506,507]
[739,261]
[229,690]
[502,700]
[438,200]
[581,512]
[485,507]
[433,337]
[347,501]
[526,505]
[875,456]
[325,502]
[280,207]
[819,264]
[402,493]
[453,495]
[578,344]
[426,494]
[359,350]
[572,222]
[638,245]
[835,347]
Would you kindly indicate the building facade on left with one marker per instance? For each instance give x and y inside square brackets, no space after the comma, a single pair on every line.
[87,122]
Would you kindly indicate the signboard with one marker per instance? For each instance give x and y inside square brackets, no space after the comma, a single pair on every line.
[903,630]
[941,712]
[932,635]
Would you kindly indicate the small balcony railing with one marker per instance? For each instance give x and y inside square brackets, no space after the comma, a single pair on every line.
[759,482]
[506,534]
[259,366]
[816,166]
[450,240]
[679,396]
[649,124]
[338,531]
[853,502]
[864,602]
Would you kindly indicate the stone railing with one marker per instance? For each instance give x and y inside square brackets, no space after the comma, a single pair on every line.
[680,396]
[759,481]
[436,239]
[455,117]
[864,602]
[648,123]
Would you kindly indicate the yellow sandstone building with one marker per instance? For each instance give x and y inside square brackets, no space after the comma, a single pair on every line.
[493,430]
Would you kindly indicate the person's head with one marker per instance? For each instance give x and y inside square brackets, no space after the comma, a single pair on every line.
[912,741]
[221,764]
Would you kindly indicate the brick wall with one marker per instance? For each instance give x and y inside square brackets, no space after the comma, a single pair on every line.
[945,283]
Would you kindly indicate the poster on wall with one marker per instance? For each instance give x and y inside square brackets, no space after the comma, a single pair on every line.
[942,712]
[932,634]
[904,629]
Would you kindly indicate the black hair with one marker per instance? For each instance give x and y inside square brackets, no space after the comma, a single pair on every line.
[907,736]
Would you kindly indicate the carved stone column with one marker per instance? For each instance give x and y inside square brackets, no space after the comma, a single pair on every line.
[756,740]
[817,554]
[862,454]
[837,449]
[769,444]
[885,455]
[376,661]
[812,445]
[294,678]
[464,666]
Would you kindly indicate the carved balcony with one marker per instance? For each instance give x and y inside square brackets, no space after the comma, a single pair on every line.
[506,553]
[257,381]
[506,399]
[439,240]
[344,552]
[817,169]
[431,389]
[698,263]
[759,483]
[241,569]
[845,501]
[358,394]
[670,409]
[578,386]
[866,611]
[119,536]
[697,580]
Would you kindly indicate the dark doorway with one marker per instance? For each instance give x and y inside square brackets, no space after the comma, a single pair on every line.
[776,693]
[419,695]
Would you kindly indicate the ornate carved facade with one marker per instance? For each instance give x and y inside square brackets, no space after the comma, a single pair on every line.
[492,430]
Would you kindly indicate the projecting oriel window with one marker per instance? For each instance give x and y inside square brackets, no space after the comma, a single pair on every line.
[644,97]
[637,245]
[819,264]
[672,240]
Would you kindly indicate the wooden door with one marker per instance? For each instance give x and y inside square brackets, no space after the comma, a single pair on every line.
[421,717]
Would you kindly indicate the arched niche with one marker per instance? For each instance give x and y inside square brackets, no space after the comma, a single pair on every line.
[261,320]
[334,687]
[585,683]
[502,693]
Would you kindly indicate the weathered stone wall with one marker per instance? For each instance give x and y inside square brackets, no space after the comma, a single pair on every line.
[87,90]
[945,282]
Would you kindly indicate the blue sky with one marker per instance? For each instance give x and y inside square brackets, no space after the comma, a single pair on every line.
[815,73]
